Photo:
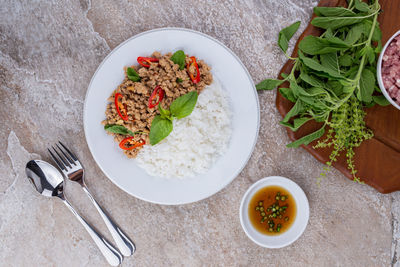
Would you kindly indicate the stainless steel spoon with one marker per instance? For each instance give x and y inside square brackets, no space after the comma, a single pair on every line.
[49,182]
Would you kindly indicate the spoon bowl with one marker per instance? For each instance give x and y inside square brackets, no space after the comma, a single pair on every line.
[46,179]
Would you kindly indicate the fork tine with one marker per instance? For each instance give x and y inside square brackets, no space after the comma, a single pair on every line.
[66,162]
[67,157]
[59,164]
[69,152]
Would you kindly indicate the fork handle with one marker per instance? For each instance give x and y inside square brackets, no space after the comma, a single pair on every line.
[113,257]
[124,244]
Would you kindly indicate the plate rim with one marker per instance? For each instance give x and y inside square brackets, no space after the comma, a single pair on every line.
[222,186]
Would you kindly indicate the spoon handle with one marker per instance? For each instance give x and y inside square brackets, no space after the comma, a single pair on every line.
[113,257]
[124,244]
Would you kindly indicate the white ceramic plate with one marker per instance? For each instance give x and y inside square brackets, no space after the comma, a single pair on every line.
[298,226]
[234,78]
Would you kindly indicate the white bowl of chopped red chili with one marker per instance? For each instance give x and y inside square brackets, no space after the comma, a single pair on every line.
[388,70]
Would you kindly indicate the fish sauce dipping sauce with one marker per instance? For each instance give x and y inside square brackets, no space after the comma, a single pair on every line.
[272,210]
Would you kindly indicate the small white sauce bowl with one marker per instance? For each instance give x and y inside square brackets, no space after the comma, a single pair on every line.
[379,72]
[296,229]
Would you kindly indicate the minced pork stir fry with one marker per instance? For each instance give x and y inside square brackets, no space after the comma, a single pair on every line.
[159,79]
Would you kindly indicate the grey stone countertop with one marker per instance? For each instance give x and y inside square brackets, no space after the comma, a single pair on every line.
[49,51]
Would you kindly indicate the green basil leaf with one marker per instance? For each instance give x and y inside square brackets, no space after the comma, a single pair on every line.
[313,64]
[297,123]
[367,84]
[314,91]
[179,80]
[329,33]
[118,129]
[296,109]
[184,105]
[305,140]
[284,75]
[160,128]
[288,94]
[132,75]
[296,89]
[286,34]
[269,84]
[335,22]
[334,12]
[361,6]
[330,61]
[380,100]
[369,53]
[377,34]
[355,33]
[336,87]
[316,45]
[311,80]
[165,113]
[179,58]
[314,102]
[345,60]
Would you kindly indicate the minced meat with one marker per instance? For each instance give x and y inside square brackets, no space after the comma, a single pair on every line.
[391,69]
[164,73]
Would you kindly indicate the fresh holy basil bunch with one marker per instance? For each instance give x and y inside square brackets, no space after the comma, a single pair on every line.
[333,78]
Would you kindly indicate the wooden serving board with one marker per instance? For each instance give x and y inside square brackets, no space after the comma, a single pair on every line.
[378,159]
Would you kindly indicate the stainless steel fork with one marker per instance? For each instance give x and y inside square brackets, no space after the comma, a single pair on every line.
[73,170]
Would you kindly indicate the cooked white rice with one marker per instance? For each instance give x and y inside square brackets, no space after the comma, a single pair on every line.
[196,141]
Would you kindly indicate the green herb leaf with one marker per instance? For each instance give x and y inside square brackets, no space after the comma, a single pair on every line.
[132,75]
[330,61]
[333,12]
[286,34]
[380,100]
[305,140]
[179,58]
[297,123]
[160,128]
[336,87]
[269,84]
[313,64]
[184,105]
[345,60]
[179,80]
[284,75]
[361,6]
[367,84]
[118,129]
[369,52]
[164,113]
[377,34]
[315,45]
[288,94]
[311,80]
[355,33]
[335,22]
[296,109]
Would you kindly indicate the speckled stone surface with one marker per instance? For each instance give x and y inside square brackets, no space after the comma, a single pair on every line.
[48,53]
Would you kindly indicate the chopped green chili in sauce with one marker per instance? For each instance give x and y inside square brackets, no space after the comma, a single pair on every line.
[272,210]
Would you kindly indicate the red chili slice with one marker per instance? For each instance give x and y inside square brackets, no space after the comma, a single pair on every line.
[160,92]
[129,141]
[192,77]
[119,106]
[142,61]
